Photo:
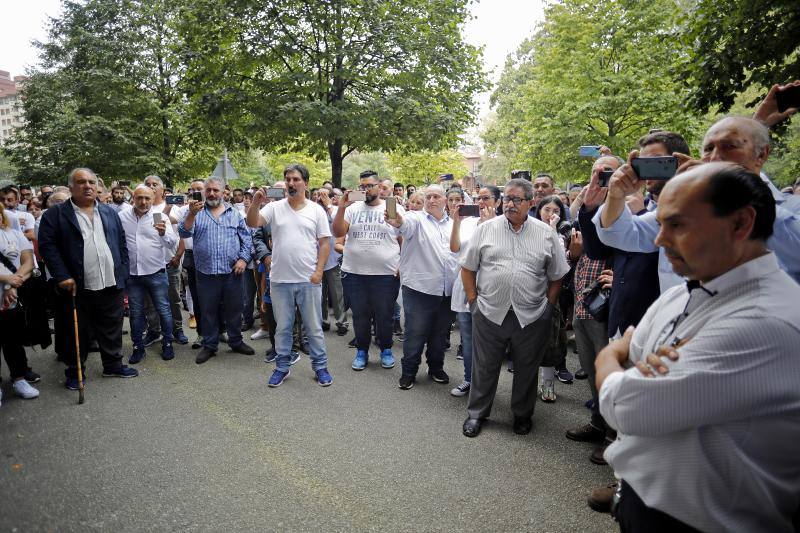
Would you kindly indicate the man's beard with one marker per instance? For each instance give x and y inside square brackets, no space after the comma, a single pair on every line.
[118,201]
[369,198]
[213,203]
[291,191]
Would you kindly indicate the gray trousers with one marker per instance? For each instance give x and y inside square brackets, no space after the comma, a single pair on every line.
[332,282]
[591,336]
[489,342]
[153,322]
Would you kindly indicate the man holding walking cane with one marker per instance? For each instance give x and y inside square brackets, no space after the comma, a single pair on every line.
[83,244]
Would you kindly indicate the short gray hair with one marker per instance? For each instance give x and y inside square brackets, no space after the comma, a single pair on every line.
[156,178]
[523,184]
[214,179]
[80,170]
[759,132]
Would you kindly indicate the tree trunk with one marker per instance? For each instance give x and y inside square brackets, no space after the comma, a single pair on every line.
[335,153]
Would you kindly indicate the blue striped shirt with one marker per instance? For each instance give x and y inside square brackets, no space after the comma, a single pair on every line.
[218,244]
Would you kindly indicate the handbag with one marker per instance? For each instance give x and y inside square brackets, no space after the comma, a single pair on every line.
[596,301]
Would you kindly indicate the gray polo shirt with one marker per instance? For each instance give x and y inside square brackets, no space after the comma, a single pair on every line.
[514,267]
[98,263]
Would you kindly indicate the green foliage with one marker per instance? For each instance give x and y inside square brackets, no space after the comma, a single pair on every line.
[7,169]
[357,162]
[332,77]
[594,73]
[422,168]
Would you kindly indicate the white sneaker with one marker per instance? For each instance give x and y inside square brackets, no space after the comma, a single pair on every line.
[461,390]
[25,390]
[259,334]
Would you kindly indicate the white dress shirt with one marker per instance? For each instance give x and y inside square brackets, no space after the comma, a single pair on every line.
[426,263]
[714,442]
[148,252]
[98,263]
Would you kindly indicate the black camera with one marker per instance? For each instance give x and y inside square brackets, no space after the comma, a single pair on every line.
[522,174]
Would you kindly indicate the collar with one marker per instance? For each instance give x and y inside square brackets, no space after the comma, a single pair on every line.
[444,219]
[521,228]
[759,267]
[76,208]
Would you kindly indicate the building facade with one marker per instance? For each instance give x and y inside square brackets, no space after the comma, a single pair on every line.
[10,104]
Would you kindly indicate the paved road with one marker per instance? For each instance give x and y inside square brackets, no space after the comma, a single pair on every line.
[209,448]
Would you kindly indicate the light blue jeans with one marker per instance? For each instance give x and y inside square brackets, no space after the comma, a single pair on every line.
[308,299]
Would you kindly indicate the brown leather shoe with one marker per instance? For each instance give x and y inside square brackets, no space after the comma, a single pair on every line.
[597,455]
[600,499]
[586,433]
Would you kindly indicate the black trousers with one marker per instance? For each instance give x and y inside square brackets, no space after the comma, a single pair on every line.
[100,315]
[635,517]
[11,325]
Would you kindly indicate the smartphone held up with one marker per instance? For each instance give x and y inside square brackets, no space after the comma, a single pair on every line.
[655,168]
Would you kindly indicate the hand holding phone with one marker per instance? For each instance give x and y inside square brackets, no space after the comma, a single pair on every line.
[276,193]
[466,210]
[174,199]
[603,176]
[655,168]
[357,196]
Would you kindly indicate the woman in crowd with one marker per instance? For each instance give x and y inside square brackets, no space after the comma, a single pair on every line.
[415,202]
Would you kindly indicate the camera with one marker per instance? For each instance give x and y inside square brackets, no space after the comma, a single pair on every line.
[521,174]
[604,176]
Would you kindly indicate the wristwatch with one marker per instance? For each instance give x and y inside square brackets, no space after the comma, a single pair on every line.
[7,287]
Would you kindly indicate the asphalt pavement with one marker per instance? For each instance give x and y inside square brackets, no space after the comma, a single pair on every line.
[210,447]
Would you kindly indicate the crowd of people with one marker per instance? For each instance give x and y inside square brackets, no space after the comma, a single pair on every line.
[680,294]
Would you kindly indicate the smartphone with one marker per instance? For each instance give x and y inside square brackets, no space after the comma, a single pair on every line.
[465,210]
[358,196]
[604,176]
[197,196]
[391,207]
[655,168]
[523,174]
[276,193]
[156,218]
[124,183]
[589,151]
[789,97]
[174,199]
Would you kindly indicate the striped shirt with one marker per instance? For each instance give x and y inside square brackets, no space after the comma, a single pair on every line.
[713,443]
[426,263]
[514,267]
[218,244]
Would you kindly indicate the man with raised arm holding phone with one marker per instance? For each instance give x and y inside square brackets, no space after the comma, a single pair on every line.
[300,248]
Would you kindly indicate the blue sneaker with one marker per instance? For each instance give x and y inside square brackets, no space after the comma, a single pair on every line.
[277,378]
[324,377]
[72,383]
[271,356]
[387,359]
[167,352]
[151,338]
[137,356]
[121,372]
[294,357]
[360,360]
[180,337]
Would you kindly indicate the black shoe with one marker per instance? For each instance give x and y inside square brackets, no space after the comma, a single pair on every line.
[597,455]
[247,326]
[204,355]
[406,381]
[460,353]
[94,347]
[397,329]
[471,427]
[270,356]
[352,343]
[31,376]
[439,376]
[326,326]
[180,337]
[581,374]
[243,349]
[341,330]
[586,433]
[522,426]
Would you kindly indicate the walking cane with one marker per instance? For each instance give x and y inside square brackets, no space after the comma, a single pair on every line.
[77,350]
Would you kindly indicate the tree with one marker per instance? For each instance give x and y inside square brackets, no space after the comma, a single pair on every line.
[424,167]
[594,73]
[110,96]
[335,76]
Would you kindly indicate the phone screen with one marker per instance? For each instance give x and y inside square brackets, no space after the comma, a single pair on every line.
[655,168]
[197,196]
[465,210]
[391,207]
[589,151]
[156,218]
[174,199]
[276,193]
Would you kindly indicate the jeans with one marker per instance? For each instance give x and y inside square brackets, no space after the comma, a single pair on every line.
[427,321]
[307,298]
[465,327]
[174,299]
[155,285]
[216,289]
[371,297]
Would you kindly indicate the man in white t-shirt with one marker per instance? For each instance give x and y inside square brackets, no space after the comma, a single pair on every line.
[26,221]
[369,268]
[300,247]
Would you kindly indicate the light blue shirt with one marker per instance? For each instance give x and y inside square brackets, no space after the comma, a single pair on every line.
[638,234]
[218,244]
[426,262]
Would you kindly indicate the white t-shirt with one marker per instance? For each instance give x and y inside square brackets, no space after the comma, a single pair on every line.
[295,236]
[26,220]
[371,248]
[12,244]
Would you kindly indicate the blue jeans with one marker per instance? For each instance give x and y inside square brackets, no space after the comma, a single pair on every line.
[371,297]
[157,286]
[308,299]
[213,289]
[465,327]
[427,321]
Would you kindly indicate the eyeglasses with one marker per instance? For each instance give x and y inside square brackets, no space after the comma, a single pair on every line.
[516,200]
[367,187]
[486,198]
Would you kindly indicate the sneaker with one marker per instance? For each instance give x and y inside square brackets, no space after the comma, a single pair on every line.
[360,360]
[72,383]
[547,390]
[461,390]
[510,366]
[406,381]
[324,377]
[23,389]
[270,356]
[581,374]
[179,337]
[151,338]
[564,375]
[341,330]
[167,352]
[277,378]
[352,343]
[387,358]
[460,353]
[439,376]
[293,358]
[31,376]
[121,372]
[259,334]
[137,356]
[192,322]
[197,343]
